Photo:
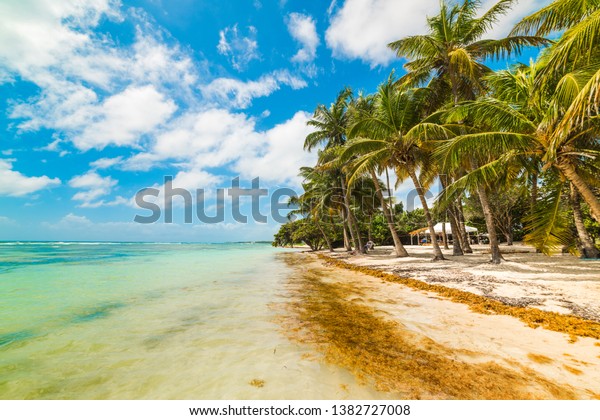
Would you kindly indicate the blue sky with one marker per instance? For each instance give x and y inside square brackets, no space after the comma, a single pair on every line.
[102,98]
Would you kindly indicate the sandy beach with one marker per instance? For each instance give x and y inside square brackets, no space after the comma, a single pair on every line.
[418,344]
[560,283]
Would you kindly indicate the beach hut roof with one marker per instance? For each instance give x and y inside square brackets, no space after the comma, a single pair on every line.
[438,229]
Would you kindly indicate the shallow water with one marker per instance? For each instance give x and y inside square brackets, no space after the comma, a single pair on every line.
[152,321]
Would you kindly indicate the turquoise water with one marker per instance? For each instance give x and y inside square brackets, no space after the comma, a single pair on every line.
[152,321]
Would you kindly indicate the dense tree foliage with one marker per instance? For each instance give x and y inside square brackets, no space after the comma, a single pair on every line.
[516,151]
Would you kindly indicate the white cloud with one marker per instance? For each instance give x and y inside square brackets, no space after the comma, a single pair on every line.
[104,163]
[81,72]
[361,29]
[303,30]
[199,141]
[94,187]
[39,34]
[239,94]
[71,220]
[189,180]
[15,184]
[519,10]
[279,154]
[239,49]
[124,117]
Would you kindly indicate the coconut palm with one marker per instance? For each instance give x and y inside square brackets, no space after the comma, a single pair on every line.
[580,21]
[577,49]
[330,130]
[379,140]
[451,55]
[318,199]
[527,132]
[450,60]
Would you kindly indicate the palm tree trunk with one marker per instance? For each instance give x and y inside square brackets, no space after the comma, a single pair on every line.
[444,234]
[509,231]
[586,192]
[533,198]
[400,250]
[464,235]
[324,234]
[466,246]
[437,252]
[491,226]
[387,180]
[345,230]
[534,191]
[457,238]
[586,245]
[352,225]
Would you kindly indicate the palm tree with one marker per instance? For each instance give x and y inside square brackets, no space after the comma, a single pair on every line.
[580,21]
[450,59]
[527,131]
[361,106]
[452,53]
[318,198]
[539,133]
[380,141]
[586,245]
[330,129]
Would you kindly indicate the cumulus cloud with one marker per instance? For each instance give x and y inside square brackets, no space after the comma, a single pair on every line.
[239,94]
[124,117]
[104,163]
[15,184]
[519,10]
[240,49]
[279,154]
[199,141]
[93,187]
[304,31]
[361,29]
[81,73]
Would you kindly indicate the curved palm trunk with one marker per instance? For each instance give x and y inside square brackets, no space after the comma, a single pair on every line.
[444,235]
[460,217]
[399,248]
[457,238]
[466,246]
[586,245]
[491,226]
[533,198]
[586,192]
[389,191]
[327,240]
[437,252]
[352,226]
[345,230]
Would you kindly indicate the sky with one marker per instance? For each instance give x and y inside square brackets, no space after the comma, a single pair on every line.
[100,99]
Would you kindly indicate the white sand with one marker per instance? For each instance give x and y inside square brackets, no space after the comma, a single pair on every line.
[559,283]
[477,337]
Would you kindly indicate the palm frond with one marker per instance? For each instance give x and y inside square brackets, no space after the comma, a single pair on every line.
[547,226]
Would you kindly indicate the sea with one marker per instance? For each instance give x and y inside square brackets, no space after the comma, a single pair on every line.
[97,320]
